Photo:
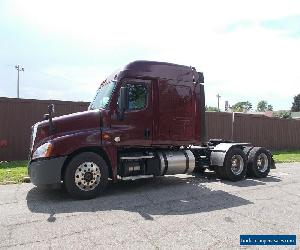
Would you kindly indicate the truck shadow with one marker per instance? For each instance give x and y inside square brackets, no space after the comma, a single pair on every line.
[175,195]
[210,176]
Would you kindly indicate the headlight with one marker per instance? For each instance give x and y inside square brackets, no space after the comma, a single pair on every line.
[43,151]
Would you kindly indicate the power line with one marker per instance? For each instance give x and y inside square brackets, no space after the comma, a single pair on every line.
[55,76]
[46,74]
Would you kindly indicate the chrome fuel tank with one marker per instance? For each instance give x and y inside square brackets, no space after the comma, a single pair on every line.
[176,162]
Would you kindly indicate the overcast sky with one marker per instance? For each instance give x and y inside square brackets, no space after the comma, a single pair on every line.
[248,50]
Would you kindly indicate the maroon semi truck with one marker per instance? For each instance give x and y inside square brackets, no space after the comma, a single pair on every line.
[146,120]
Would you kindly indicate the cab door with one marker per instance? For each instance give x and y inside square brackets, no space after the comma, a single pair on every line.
[136,126]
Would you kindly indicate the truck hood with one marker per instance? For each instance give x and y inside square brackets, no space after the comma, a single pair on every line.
[76,122]
[65,125]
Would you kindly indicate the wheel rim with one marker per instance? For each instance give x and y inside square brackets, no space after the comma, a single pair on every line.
[262,162]
[237,164]
[87,176]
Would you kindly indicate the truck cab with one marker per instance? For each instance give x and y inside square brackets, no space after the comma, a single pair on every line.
[146,120]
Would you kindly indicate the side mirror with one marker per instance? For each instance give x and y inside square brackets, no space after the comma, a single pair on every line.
[122,102]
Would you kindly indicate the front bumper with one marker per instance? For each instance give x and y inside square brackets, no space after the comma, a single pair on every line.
[46,171]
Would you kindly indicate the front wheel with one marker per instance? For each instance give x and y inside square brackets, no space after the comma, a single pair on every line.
[235,165]
[86,176]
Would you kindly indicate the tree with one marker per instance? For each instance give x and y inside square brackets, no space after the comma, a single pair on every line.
[263,106]
[270,107]
[296,104]
[209,108]
[242,106]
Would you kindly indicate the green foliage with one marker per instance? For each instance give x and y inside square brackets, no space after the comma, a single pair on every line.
[285,114]
[287,156]
[296,104]
[12,172]
[242,106]
[263,106]
[270,107]
[210,108]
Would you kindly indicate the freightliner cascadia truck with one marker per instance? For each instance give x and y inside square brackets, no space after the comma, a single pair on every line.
[146,120]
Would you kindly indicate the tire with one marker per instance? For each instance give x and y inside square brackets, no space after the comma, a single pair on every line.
[247,150]
[259,162]
[86,176]
[235,165]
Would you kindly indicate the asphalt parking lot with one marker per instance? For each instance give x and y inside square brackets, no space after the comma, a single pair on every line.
[175,212]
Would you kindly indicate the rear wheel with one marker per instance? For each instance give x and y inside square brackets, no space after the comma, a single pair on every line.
[86,176]
[235,165]
[259,162]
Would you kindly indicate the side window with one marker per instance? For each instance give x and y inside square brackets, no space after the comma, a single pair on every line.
[137,96]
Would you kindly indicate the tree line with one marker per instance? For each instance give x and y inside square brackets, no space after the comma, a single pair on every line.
[262,106]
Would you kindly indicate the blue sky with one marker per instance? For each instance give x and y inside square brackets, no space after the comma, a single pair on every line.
[248,50]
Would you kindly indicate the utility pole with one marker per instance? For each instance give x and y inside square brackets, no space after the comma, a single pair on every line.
[18,68]
[218,96]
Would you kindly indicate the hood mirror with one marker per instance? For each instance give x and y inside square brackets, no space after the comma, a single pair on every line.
[51,108]
[49,116]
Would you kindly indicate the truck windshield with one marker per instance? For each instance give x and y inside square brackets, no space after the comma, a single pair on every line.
[102,96]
